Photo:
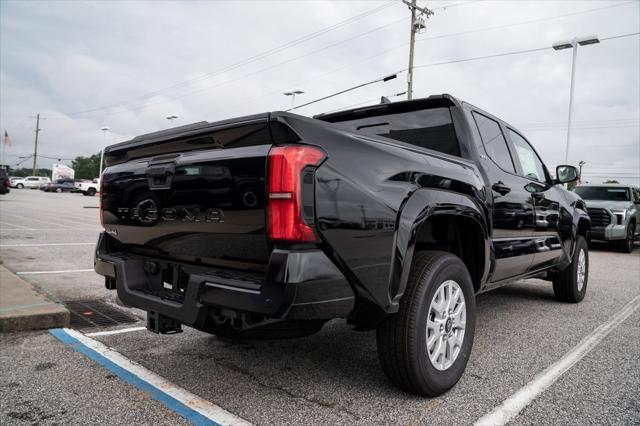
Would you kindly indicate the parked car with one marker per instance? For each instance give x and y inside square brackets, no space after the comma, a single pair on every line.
[5,182]
[614,211]
[392,216]
[88,187]
[60,185]
[31,182]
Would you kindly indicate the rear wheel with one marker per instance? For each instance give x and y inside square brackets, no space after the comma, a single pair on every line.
[19,186]
[275,331]
[58,190]
[570,285]
[424,348]
[626,245]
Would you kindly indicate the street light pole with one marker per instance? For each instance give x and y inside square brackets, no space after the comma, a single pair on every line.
[104,129]
[573,44]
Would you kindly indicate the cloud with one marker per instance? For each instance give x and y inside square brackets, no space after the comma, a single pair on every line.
[63,57]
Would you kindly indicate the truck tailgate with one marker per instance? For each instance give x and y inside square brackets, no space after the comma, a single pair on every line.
[196,195]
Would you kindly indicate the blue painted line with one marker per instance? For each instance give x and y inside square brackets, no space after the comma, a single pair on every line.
[157,394]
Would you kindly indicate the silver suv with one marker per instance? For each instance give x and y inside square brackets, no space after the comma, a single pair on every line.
[614,212]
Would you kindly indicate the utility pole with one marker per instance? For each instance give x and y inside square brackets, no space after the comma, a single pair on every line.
[417,24]
[35,149]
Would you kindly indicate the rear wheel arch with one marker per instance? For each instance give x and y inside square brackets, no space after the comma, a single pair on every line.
[460,235]
[434,219]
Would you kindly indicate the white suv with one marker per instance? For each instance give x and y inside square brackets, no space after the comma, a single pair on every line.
[30,182]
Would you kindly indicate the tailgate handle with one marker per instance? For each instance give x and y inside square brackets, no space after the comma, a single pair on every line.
[161,175]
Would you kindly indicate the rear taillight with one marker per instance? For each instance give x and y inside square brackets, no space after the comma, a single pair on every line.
[286,165]
[101,199]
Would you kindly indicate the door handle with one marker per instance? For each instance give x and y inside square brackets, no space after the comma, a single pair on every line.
[501,188]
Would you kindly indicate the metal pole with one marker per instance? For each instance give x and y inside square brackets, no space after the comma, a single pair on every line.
[293,100]
[411,48]
[35,149]
[573,76]
[104,141]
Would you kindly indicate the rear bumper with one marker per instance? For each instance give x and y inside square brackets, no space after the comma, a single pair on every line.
[301,285]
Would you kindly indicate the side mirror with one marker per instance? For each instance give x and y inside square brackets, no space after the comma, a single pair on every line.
[566,174]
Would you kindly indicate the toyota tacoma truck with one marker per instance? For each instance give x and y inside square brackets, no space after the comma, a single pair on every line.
[393,217]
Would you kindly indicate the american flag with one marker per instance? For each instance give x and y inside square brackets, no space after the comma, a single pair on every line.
[6,139]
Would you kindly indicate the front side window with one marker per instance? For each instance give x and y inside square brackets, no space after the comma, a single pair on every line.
[532,167]
[494,142]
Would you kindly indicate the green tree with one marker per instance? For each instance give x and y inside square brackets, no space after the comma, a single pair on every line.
[86,167]
[24,172]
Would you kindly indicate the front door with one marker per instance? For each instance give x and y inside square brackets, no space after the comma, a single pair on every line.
[553,223]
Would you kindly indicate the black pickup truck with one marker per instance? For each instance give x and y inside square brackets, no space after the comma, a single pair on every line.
[392,216]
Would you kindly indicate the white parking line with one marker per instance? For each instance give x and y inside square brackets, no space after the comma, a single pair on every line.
[53,272]
[513,405]
[191,407]
[119,331]
[47,245]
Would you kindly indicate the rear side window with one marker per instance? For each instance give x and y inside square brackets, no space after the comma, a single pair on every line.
[494,142]
[430,128]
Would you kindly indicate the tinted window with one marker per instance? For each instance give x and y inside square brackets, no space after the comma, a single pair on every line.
[494,142]
[428,128]
[603,193]
[532,167]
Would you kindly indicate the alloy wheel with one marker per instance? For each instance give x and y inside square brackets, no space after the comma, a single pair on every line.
[446,325]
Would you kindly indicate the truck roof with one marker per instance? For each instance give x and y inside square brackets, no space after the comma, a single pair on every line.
[385,108]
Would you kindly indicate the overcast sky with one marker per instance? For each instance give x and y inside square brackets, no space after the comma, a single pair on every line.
[127,65]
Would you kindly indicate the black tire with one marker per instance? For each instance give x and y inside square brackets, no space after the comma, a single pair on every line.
[91,192]
[275,331]
[626,245]
[565,283]
[402,337]
[19,186]
[58,190]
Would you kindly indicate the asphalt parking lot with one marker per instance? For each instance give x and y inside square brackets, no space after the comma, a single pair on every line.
[332,377]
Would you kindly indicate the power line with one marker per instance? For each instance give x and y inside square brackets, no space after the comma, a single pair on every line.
[349,65]
[257,57]
[366,59]
[454,61]
[379,80]
[246,61]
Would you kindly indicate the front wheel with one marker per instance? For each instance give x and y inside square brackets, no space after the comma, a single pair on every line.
[58,190]
[91,192]
[570,285]
[626,245]
[19,186]
[424,348]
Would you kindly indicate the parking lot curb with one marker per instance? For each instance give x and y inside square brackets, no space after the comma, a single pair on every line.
[23,307]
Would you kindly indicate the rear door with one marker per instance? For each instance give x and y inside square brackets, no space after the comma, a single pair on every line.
[513,213]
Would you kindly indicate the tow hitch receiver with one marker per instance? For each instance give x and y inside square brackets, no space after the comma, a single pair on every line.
[160,324]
